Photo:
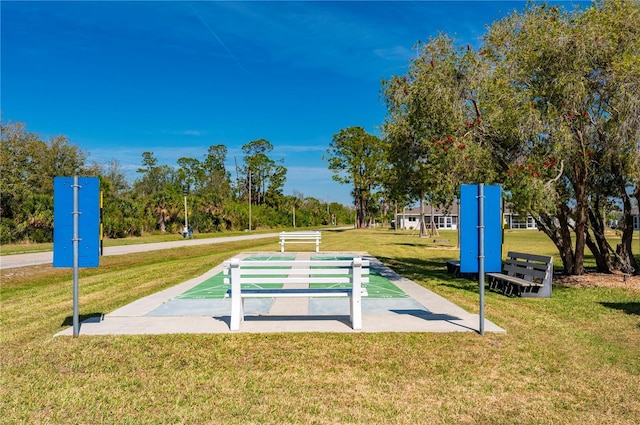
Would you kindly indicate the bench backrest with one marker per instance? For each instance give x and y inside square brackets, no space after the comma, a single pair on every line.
[301,235]
[295,271]
[531,267]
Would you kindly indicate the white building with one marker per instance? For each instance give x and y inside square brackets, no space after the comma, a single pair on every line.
[447,219]
[442,219]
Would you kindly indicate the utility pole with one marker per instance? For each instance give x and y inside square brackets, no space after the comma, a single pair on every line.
[185,191]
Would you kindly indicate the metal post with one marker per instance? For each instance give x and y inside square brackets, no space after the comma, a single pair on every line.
[249,200]
[481,253]
[186,220]
[76,254]
[185,192]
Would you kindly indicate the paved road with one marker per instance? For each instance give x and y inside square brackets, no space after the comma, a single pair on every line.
[33,259]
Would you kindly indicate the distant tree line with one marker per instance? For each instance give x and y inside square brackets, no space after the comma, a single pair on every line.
[154,202]
[548,107]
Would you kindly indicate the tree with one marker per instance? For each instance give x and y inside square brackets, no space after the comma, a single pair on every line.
[190,173]
[549,106]
[27,168]
[358,158]
[428,124]
[158,191]
[560,119]
[216,177]
[266,175]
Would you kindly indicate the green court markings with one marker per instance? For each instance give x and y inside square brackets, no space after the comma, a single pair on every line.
[212,288]
[215,288]
[270,257]
[378,286]
[318,257]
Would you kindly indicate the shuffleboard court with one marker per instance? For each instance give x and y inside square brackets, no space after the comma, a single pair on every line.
[214,288]
[394,304]
[378,286]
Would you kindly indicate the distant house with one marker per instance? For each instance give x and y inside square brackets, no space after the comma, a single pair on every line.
[614,223]
[443,219]
[447,219]
[515,221]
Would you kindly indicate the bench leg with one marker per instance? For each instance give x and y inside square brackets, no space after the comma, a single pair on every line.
[356,311]
[236,313]
[237,310]
[356,294]
[282,246]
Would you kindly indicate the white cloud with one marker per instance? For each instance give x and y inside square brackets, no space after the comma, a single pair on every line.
[396,53]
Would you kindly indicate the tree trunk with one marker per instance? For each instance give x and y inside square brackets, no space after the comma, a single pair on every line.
[558,230]
[600,248]
[580,226]
[361,207]
[624,251]
[423,230]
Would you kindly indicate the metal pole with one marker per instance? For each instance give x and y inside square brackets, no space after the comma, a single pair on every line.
[76,262]
[186,220]
[249,200]
[481,253]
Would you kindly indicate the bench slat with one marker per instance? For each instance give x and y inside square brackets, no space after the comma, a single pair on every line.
[513,279]
[538,274]
[527,264]
[300,293]
[284,280]
[288,272]
[533,257]
[298,264]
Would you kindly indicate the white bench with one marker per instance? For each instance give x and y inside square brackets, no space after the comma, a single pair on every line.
[300,237]
[525,275]
[344,277]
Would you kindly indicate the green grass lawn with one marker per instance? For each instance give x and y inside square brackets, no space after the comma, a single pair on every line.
[570,359]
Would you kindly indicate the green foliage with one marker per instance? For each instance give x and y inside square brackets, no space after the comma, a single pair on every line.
[549,107]
[27,168]
[429,122]
[358,158]
[155,201]
[265,175]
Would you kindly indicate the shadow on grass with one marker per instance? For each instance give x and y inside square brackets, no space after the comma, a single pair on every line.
[413,245]
[436,269]
[68,321]
[629,308]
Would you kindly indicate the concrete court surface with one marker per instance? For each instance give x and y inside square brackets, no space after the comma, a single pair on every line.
[420,311]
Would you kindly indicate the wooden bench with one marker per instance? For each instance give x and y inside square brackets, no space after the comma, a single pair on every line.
[525,275]
[343,278]
[453,267]
[300,237]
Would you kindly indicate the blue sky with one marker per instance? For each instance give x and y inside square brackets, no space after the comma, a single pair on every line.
[173,77]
